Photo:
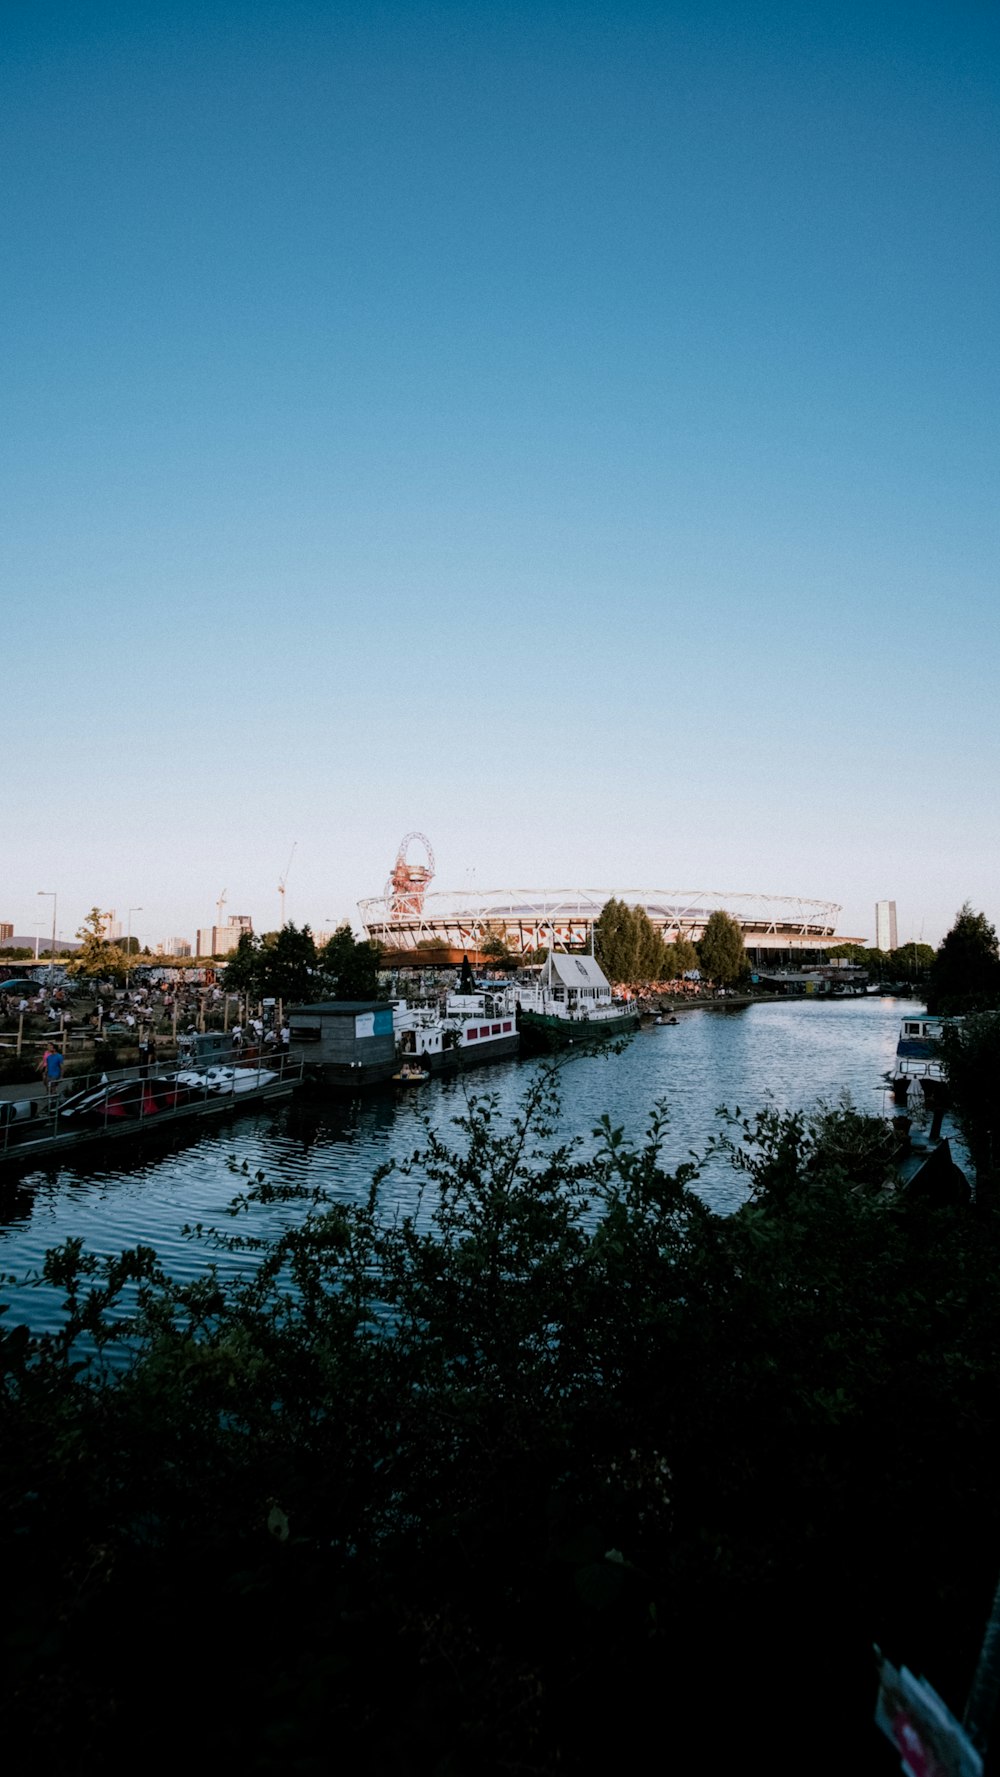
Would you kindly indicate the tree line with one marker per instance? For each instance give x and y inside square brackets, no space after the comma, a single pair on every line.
[629,948]
[288,965]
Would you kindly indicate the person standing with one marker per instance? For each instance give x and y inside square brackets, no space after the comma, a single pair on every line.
[51,1070]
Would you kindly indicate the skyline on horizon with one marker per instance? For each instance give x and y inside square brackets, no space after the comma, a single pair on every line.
[573,435]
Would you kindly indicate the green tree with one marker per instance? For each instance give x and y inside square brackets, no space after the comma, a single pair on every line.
[243,966]
[627,944]
[350,966]
[965,973]
[494,945]
[911,962]
[722,955]
[96,959]
[613,940]
[681,957]
[971,1048]
[289,966]
[280,966]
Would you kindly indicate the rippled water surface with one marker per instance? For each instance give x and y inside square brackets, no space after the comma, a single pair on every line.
[790,1054]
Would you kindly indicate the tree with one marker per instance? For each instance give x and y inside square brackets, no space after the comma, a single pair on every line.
[96,958]
[965,973]
[910,961]
[613,940]
[628,946]
[280,966]
[350,966]
[290,966]
[721,953]
[972,1067]
[243,966]
[494,945]
[682,957]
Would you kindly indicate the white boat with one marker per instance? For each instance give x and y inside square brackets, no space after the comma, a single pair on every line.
[571,1002]
[918,1073]
[227,1081]
[463,1030]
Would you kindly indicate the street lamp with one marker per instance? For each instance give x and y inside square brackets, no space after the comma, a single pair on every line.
[47,893]
[128,943]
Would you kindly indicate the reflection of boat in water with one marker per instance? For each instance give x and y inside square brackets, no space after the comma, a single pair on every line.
[571,1004]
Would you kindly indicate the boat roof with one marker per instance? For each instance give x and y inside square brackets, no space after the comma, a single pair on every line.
[577,971]
[342,1007]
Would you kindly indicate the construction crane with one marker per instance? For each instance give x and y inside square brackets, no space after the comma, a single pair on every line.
[220,903]
[284,879]
[407,886]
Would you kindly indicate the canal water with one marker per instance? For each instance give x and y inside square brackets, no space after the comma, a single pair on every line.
[790,1055]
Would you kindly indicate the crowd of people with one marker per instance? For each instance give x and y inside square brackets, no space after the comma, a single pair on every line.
[157,1019]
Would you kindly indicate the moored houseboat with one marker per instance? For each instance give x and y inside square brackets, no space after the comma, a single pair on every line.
[919,1070]
[465,1030]
[570,1003]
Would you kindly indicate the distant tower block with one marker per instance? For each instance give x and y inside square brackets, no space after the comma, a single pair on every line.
[885,925]
[408,884]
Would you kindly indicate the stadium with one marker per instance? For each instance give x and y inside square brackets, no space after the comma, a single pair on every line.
[413,924]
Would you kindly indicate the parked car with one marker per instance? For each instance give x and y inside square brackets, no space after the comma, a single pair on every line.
[23,985]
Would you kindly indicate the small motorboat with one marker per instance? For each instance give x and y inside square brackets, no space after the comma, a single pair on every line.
[410,1075]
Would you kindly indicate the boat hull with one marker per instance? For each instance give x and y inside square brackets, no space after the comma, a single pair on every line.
[543,1032]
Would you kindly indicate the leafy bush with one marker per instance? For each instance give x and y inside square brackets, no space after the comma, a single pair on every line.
[559,1467]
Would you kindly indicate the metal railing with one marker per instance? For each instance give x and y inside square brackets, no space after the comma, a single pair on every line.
[132,1098]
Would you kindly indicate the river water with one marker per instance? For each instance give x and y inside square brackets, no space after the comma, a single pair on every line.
[791,1055]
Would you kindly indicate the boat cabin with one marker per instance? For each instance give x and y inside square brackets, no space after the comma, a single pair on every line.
[344,1042]
[579,982]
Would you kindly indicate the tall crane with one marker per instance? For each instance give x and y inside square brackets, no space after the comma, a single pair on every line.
[284,879]
[220,903]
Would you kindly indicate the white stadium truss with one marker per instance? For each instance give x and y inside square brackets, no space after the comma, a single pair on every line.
[531,918]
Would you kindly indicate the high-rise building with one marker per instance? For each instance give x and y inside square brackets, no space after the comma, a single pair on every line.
[6,932]
[220,940]
[885,925]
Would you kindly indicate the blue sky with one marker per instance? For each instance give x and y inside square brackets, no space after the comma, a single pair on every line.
[570,432]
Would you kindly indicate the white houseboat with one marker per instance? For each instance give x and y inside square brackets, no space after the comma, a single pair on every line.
[919,1066]
[463,1031]
[571,1002]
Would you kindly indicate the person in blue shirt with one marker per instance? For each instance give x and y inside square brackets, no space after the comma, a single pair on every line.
[51,1070]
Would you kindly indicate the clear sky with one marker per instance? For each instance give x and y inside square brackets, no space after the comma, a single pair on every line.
[568,430]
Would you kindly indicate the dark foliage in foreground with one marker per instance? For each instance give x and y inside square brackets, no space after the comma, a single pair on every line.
[562,1473]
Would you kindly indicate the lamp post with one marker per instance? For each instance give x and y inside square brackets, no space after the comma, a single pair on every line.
[47,893]
[128,944]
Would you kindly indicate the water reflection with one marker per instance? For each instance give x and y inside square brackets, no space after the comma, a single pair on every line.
[741,1057]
